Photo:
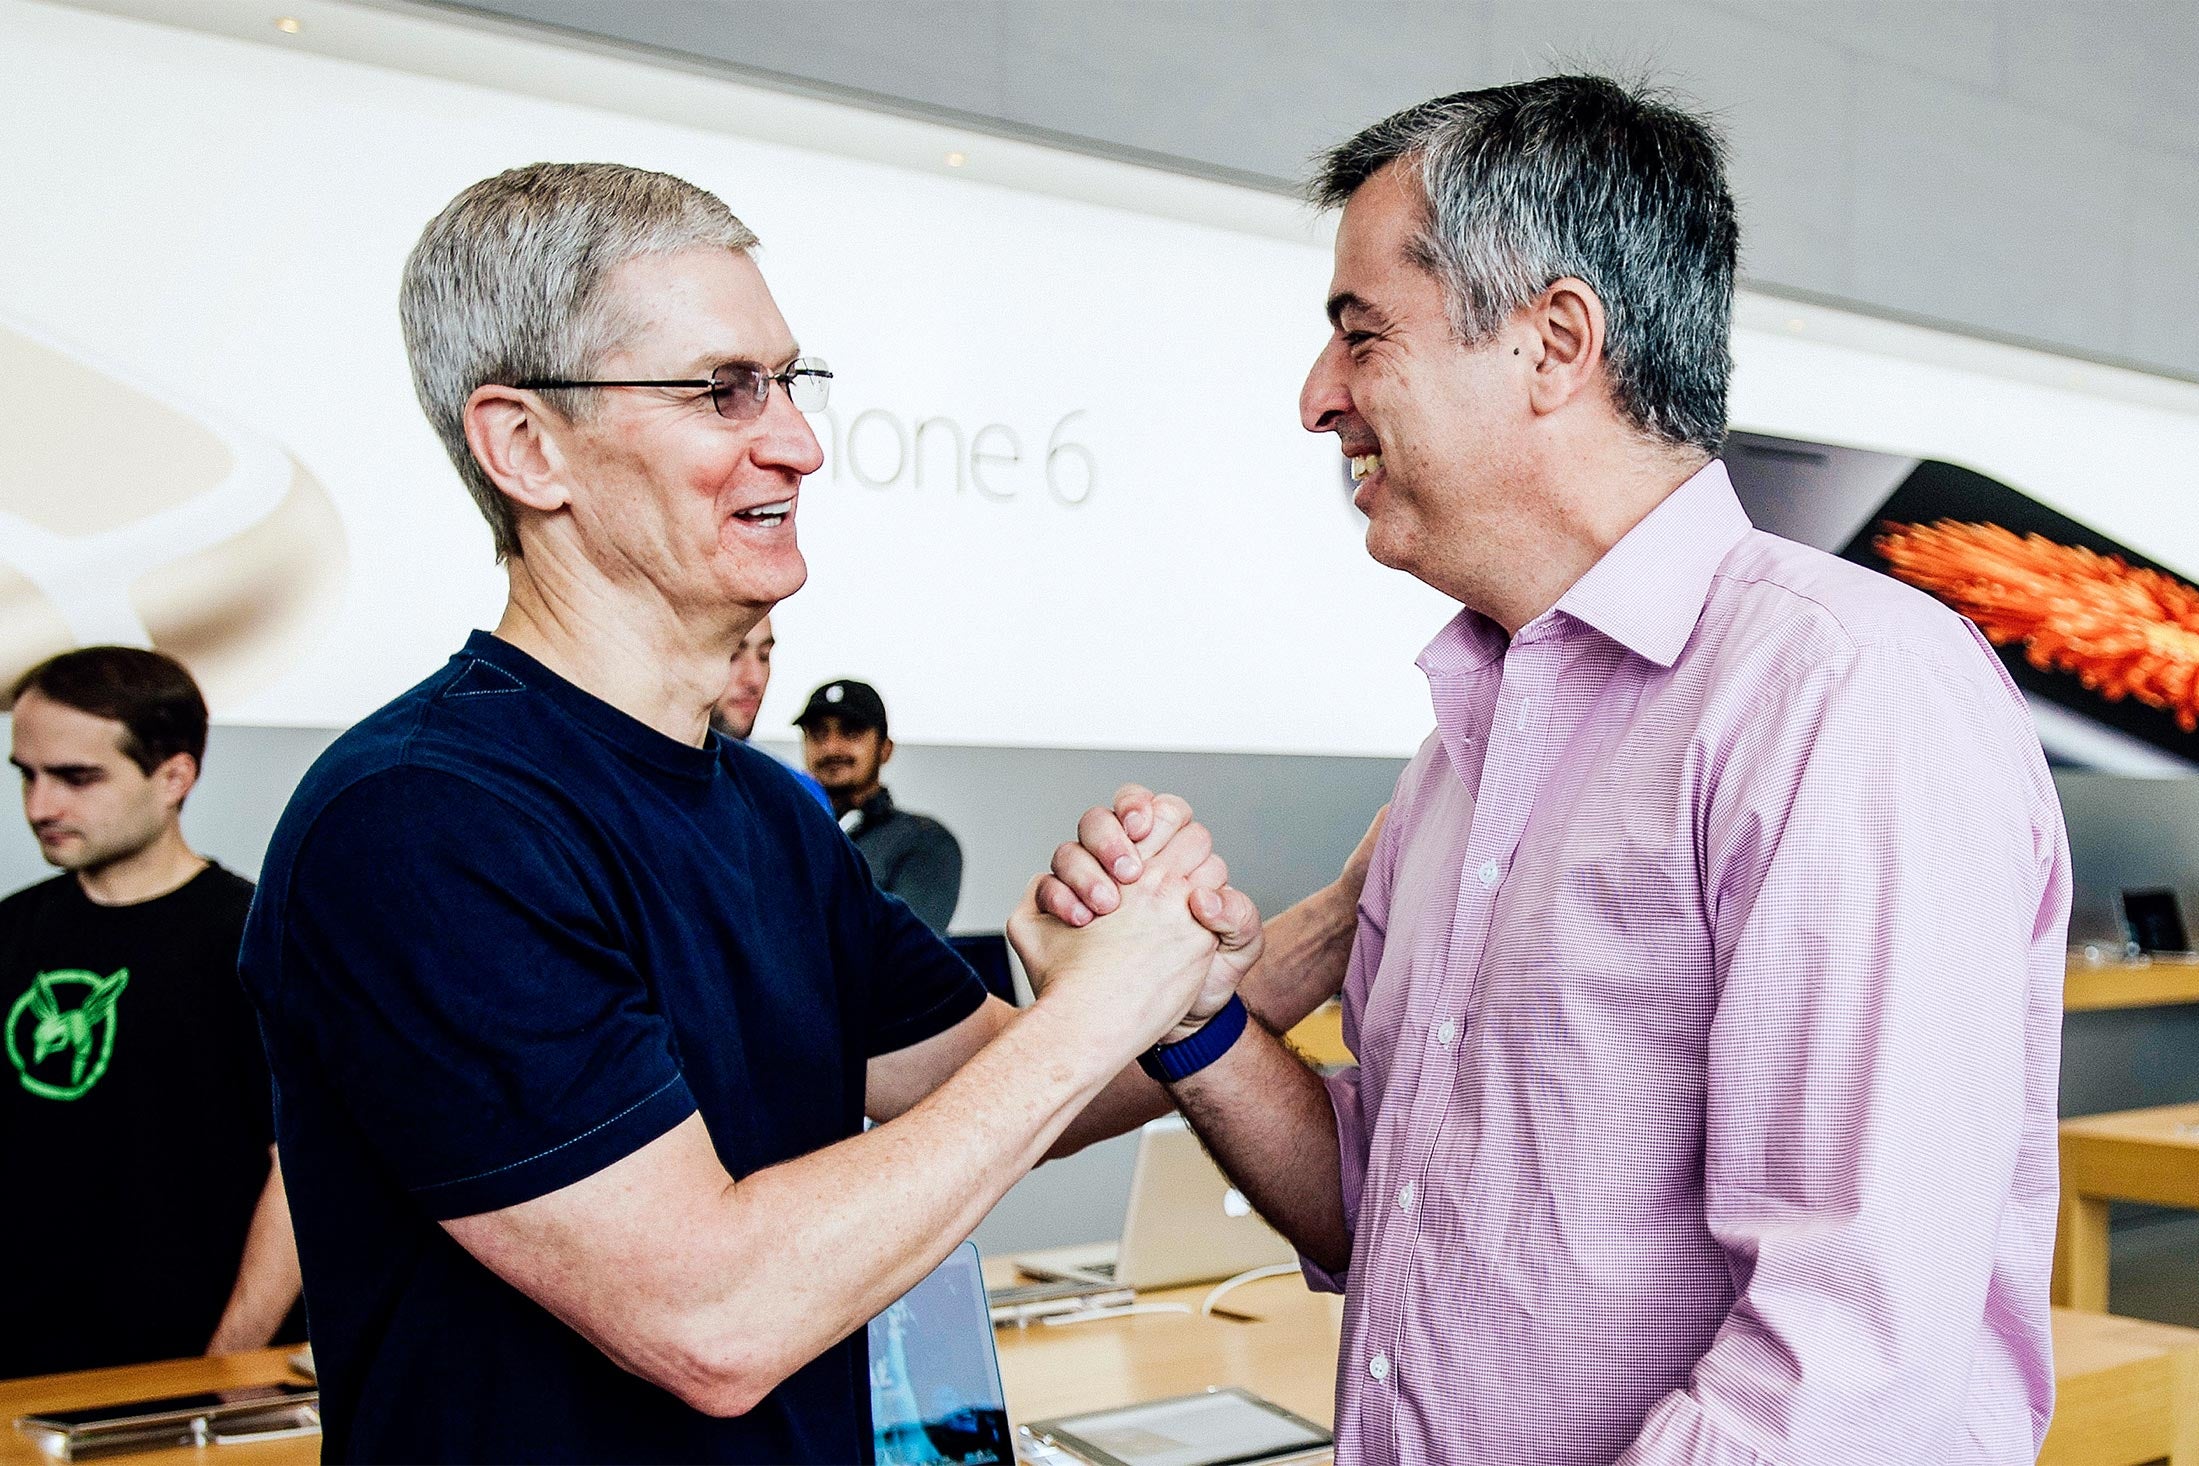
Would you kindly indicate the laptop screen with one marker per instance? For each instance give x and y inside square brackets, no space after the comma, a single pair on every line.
[935,1391]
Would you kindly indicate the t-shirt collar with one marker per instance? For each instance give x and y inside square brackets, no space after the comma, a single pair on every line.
[621,730]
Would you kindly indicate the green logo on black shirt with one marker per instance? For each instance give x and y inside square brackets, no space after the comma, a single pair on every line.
[83,1035]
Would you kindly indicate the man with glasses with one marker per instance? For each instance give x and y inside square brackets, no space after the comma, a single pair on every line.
[576,1011]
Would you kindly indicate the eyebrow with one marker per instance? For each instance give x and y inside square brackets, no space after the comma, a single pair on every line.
[703,366]
[1344,300]
[58,770]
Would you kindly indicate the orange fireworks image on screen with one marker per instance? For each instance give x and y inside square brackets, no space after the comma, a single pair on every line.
[2124,631]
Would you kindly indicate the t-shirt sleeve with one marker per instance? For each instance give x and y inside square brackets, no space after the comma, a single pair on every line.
[918,985]
[248,1064]
[459,973]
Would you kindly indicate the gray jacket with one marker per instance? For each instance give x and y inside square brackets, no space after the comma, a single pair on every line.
[912,856]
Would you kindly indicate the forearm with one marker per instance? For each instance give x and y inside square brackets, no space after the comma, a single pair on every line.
[1303,958]
[815,1247]
[1268,1119]
[1301,966]
[267,1278]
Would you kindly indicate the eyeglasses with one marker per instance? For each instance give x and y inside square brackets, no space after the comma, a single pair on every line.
[738,390]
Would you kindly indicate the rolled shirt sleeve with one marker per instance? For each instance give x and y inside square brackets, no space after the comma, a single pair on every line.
[1882,886]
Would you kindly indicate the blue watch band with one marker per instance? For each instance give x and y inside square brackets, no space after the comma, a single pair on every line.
[1171,1062]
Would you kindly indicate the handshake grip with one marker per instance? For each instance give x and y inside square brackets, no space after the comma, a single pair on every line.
[1139,942]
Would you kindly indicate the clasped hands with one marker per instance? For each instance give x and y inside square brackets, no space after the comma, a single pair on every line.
[1136,924]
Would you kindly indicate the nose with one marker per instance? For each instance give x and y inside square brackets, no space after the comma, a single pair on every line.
[1325,399]
[41,799]
[787,440]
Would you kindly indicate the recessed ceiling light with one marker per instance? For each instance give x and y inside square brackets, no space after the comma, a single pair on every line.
[288,25]
[956,160]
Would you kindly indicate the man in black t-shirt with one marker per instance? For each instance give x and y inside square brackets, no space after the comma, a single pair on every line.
[145,1220]
[575,1008]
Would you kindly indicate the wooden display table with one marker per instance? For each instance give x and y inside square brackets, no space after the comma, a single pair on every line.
[2129,1390]
[1320,1035]
[2130,1155]
[148,1382]
[2128,1393]
[1288,1355]
[2149,982]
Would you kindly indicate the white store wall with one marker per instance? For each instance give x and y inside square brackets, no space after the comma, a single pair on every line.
[1133,343]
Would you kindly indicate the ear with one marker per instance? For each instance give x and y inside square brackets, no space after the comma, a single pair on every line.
[1566,325]
[177,775]
[513,439]
[885,752]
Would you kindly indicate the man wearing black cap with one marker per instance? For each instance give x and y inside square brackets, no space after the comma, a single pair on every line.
[912,856]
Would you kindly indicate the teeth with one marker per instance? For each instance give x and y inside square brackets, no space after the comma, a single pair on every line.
[1365,466]
[768,513]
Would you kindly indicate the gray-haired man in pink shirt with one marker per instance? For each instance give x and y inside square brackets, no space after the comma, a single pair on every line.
[1706,992]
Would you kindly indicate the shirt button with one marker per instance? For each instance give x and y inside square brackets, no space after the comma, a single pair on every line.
[1405,1197]
[1488,874]
[1445,1032]
[1379,1366]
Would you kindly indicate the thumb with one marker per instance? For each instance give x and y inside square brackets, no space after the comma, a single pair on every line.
[1229,914]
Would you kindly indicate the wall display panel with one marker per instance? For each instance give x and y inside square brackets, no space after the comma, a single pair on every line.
[1066,502]
[2103,641]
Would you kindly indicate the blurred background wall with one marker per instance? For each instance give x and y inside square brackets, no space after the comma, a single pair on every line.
[2023,168]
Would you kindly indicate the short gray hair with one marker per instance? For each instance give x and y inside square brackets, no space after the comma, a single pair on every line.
[1579,176]
[506,284]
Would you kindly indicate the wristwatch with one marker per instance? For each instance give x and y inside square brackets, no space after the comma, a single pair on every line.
[1170,1063]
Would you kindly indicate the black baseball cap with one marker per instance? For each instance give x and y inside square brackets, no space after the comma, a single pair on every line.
[855,704]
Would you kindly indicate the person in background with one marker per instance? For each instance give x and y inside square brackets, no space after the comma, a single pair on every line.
[1707,990]
[746,682]
[912,855]
[145,1218]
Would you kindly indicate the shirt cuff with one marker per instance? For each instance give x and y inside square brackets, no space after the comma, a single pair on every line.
[1351,1154]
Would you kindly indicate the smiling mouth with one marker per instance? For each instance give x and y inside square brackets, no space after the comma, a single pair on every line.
[1365,466]
[767,515]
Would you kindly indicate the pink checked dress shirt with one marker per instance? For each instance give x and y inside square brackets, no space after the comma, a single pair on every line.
[1707,1003]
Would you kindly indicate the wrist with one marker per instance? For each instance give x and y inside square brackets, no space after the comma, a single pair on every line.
[1080,1046]
[1172,1063]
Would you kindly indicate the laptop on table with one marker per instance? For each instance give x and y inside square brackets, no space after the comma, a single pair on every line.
[1184,1224]
[935,1393]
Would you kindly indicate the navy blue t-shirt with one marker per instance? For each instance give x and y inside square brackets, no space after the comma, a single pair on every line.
[505,936]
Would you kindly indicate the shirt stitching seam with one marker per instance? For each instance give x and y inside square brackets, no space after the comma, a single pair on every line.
[479,663]
[958,995]
[1855,641]
[562,1145]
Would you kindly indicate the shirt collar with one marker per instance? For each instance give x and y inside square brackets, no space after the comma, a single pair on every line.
[1646,593]
[1648,590]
